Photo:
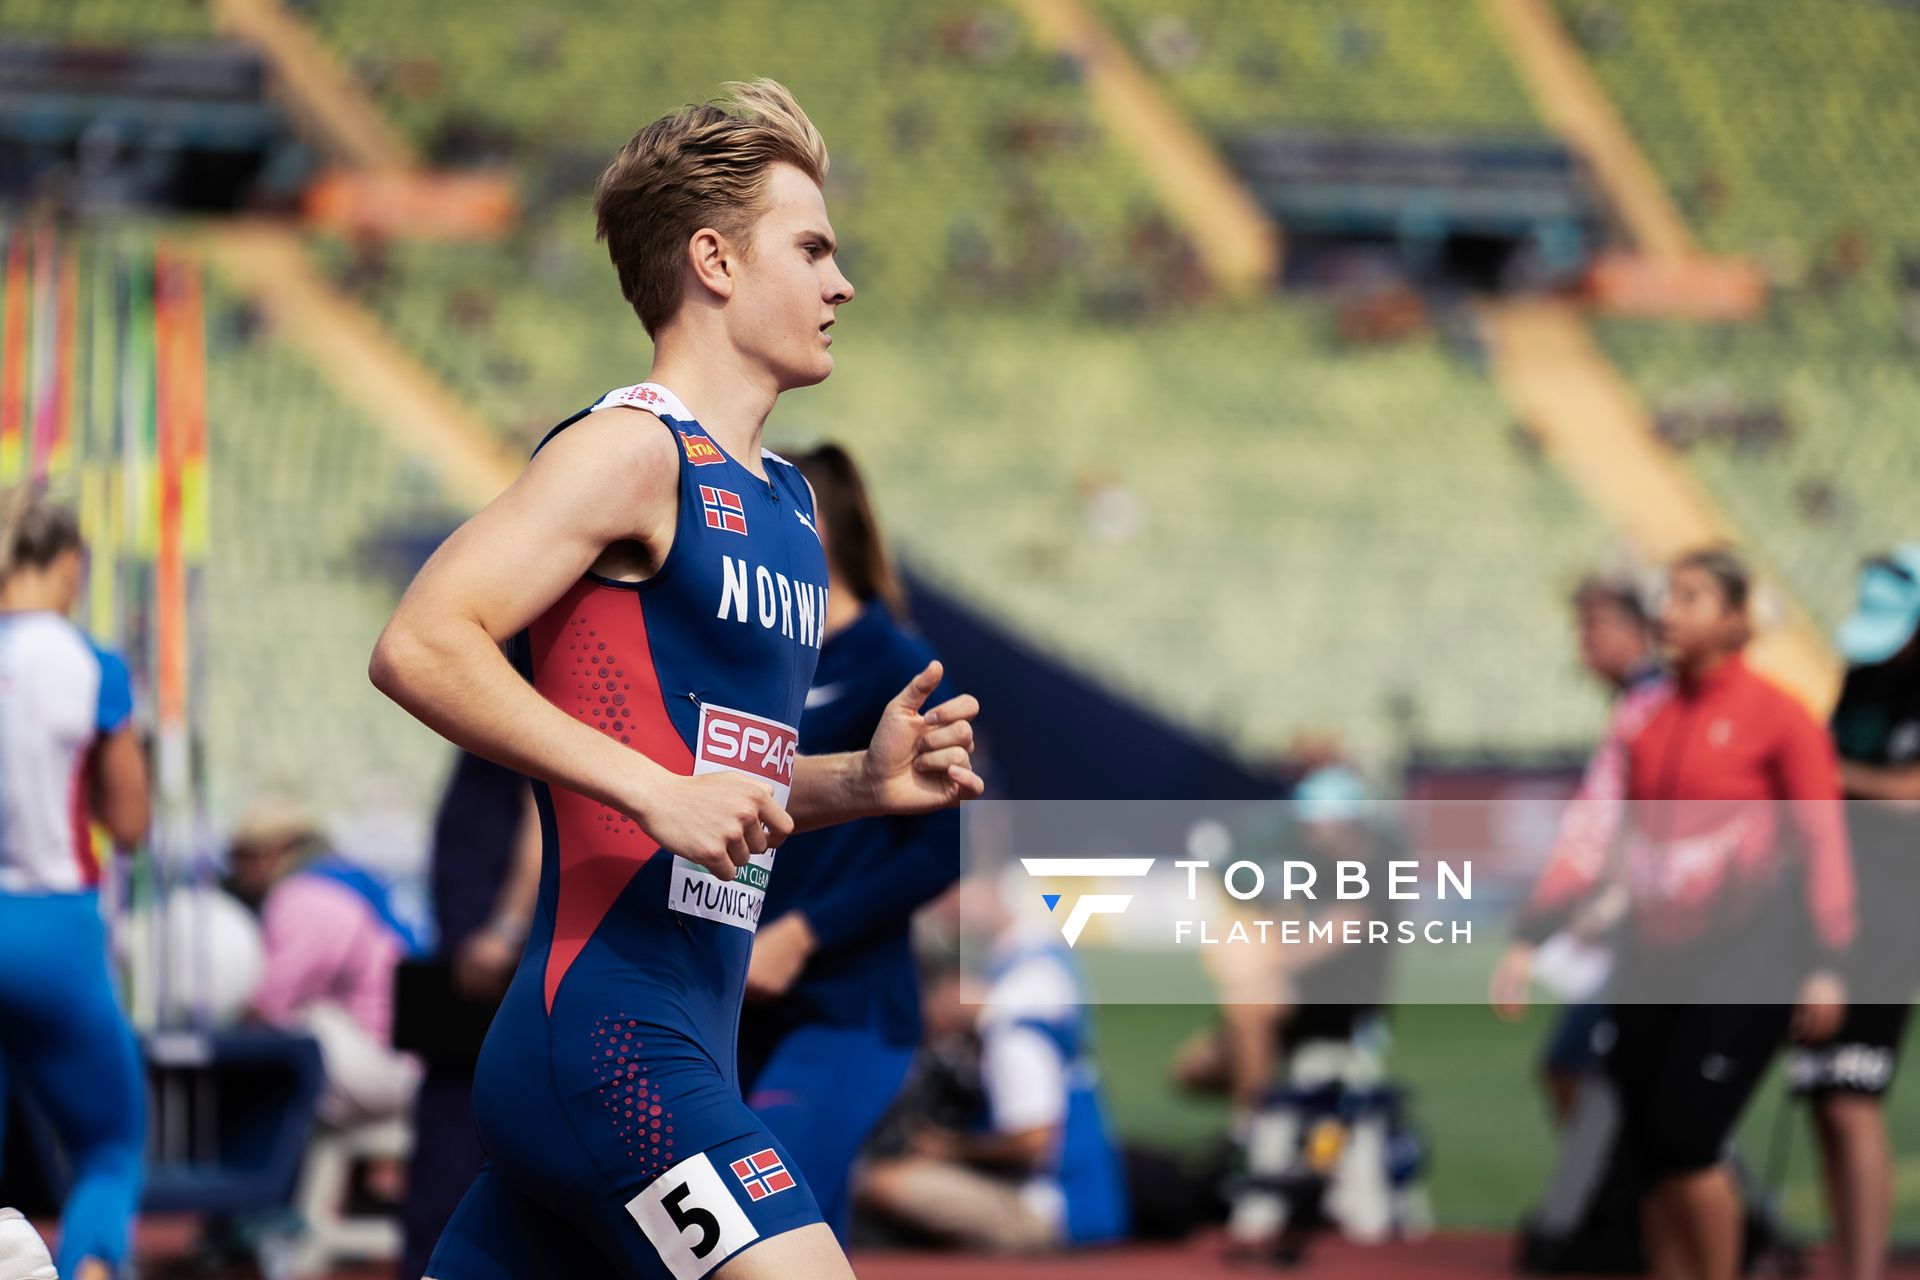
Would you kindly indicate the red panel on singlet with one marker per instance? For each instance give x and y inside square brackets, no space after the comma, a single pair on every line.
[591,659]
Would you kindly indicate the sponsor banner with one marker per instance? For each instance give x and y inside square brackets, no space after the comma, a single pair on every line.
[475,205]
[1697,288]
[1341,900]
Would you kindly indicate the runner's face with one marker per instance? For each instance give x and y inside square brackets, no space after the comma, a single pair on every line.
[789,284]
[1696,621]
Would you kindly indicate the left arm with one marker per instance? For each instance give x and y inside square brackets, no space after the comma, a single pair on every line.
[1895,785]
[118,794]
[1810,780]
[484,960]
[918,761]
[923,861]
[1020,1151]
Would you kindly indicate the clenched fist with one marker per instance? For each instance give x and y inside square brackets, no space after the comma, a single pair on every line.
[718,820]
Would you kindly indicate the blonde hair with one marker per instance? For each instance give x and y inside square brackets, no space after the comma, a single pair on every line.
[34,531]
[704,165]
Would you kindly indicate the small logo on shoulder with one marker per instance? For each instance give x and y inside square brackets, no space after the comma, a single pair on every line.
[701,452]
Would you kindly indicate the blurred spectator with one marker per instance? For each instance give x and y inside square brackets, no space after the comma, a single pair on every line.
[1599,28]
[1170,43]
[486,877]
[983,37]
[1324,992]
[832,1016]
[332,944]
[1876,731]
[1038,1169]
[72,757]
[273,837]
[1908,276]
[368,268]
[1354,42]
[1112,511]
[1614,625]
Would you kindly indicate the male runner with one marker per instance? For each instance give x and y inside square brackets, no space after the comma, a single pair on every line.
[661,583]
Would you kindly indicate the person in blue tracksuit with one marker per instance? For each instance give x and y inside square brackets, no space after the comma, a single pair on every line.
[833,1010]
[69,757]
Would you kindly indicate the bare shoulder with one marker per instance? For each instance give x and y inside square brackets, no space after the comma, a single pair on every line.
[618,438]
[619,456]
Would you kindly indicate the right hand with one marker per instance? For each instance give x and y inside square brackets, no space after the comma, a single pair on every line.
[1508,991]
[718,820]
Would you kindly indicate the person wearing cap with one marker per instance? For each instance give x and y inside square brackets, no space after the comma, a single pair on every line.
[333,938]
[1876,732]
[273,837]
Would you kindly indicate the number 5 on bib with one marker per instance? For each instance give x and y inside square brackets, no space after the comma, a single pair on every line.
[692,1219]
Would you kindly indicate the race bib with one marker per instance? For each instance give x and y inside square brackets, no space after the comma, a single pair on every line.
[691,1219]
[761,748]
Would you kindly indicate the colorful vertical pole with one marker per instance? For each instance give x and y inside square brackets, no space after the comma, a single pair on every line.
[14,354]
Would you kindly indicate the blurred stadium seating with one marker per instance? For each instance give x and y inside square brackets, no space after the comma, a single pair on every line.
[108,21]
[1040,419]
[1348,65]
[308,502]
[1028,199]
[1784,130]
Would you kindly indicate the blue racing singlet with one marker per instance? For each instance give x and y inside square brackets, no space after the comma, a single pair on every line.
[703,666]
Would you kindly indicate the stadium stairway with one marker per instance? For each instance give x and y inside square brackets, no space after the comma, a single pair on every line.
[1571,100]
[1569,392]
[1593,424]
[367,368]
[320,91]
[1239,244]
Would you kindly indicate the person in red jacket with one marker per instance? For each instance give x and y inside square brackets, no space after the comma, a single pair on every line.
[1731,760]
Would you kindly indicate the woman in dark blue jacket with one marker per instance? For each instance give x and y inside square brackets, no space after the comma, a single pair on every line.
[833,1010]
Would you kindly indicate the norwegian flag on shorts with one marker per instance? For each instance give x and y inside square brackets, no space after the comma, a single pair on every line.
[762,1174]
[723,508]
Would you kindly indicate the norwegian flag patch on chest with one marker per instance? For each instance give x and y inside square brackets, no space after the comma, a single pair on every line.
[763,1174]
[723,509]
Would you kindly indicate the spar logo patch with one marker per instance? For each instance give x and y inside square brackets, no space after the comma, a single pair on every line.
[763,1174]
[723,509]
[748,743]
[701,452]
